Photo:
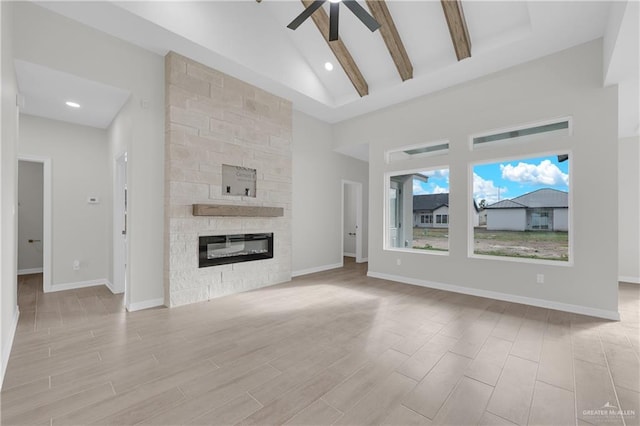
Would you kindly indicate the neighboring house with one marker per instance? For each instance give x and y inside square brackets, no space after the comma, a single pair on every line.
[432,211]
[541,210]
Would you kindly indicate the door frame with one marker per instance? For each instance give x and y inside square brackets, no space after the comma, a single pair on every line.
[358,194]
[119,269]
[47,209]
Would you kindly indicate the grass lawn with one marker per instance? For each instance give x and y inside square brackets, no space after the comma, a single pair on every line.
[522,244]
[436,239]
[549,245]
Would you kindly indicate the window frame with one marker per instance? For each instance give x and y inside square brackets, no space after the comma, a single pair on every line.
[510,142]
[570,216]
[445,151]
[386,244]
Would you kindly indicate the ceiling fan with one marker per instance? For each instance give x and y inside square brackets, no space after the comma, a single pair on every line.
[334,14]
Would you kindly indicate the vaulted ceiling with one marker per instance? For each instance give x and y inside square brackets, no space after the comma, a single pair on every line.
[250,40]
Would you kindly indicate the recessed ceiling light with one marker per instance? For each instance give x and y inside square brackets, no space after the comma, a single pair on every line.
[328,66]
[72,104]
[335,1]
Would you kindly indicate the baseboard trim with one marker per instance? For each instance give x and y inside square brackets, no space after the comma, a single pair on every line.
[145,304]
[633,280]
[30,271]
[316,269]
[6,351]
[363,260]
[78,284]
[111,287]
[349,254]
[541,303]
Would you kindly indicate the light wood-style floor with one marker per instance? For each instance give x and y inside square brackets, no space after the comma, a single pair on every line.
[328,348]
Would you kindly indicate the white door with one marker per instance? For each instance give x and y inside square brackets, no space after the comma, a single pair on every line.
[352,220]
[350,228]
[120,228]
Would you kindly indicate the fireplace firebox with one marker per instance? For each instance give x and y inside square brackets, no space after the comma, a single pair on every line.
[225,249]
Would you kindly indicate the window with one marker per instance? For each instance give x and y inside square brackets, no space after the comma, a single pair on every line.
[526,203]
[413,200]
[560,127]
[417,151]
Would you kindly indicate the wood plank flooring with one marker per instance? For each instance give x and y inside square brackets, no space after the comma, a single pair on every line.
[330,348]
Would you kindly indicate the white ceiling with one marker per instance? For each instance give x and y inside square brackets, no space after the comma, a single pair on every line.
[250,41]
[46,90]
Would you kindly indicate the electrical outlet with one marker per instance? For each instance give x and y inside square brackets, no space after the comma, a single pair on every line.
[398,261]
[540,278]
[76,265]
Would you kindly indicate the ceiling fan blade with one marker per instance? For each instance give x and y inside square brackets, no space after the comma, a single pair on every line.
[334,17]
[362,14]
[305,14]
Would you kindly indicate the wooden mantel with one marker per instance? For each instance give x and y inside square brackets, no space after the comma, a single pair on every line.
[244,211]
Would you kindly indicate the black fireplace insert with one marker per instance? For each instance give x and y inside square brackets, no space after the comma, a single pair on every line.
[226,249]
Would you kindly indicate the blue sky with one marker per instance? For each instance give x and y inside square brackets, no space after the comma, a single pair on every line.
[510,179]
[504,179]
[437,183]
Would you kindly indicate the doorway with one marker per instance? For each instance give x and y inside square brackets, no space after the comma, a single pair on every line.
[120,237]
[34,217]
[351,245]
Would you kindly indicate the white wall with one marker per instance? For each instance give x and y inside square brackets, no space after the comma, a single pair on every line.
[45,38]
[565,84]
[317,190]
[506,219]
[628,208]
[8,188]
[560,219]
[79,170]
[30,216]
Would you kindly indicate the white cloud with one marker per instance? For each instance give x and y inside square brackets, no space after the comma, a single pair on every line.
[486,189]
[418,189]
[439,190]
[442,173]
[422,188]
[545,173]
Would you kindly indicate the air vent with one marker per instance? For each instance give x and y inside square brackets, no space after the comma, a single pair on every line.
[558,128]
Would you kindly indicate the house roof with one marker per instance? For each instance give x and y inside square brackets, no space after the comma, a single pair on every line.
[540,198]
[430,202]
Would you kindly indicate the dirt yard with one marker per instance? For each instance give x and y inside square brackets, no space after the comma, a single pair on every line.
[530,244]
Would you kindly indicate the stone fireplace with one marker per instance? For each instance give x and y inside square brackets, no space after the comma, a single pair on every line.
[214,120]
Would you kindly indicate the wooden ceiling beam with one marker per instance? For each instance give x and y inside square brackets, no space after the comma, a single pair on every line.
[391,38]
[457,28]
[321,19]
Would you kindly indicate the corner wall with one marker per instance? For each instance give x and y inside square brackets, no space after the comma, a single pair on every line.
[318,172]
[79,170]
[8,187]
[628,209]
[215,119]
[51,40]
[565,84]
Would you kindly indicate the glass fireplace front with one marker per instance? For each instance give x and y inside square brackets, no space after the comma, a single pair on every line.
[225,249]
